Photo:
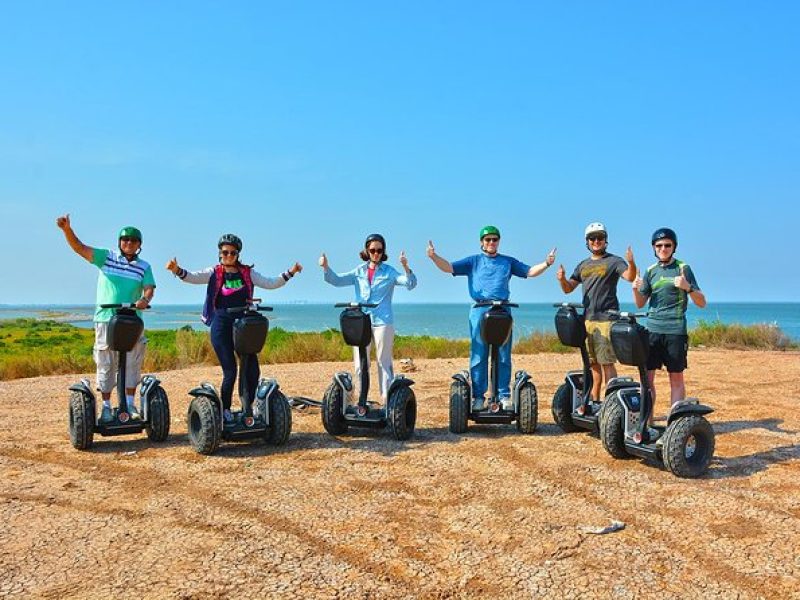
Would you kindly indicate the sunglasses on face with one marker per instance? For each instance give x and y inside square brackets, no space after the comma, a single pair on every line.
[663,245]
[491,240]
[596,238]
[229,252]
[375,250]
[125,238]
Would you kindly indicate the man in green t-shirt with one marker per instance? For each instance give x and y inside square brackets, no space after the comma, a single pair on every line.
[668,284]
[123,278]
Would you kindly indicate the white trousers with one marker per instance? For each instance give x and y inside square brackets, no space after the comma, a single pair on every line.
[383,340]
[106,361]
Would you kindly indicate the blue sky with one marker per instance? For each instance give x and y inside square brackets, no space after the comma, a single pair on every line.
[304,126]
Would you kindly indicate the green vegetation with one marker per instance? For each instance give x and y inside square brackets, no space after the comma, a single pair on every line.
[31,347]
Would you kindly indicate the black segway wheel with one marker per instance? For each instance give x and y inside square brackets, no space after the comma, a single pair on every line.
[280,420]
[528,416]
[402,413]
[158,415]
[612,428]
[203,424]
[688,446]
[562,408]
[459,406]
[332,410]
[81,420]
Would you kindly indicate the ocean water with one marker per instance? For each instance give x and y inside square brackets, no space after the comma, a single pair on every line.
[439,320]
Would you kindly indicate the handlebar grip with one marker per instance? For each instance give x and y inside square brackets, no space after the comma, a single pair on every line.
[354,305]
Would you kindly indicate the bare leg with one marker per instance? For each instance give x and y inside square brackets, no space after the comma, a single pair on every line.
[597,383]
[677,387]
[609,372]
[651,384]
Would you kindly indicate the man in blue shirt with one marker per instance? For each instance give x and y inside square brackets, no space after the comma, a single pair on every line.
[488,274]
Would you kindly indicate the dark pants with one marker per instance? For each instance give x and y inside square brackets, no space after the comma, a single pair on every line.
[222,341]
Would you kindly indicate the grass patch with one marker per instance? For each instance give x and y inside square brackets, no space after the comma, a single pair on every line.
[31,347]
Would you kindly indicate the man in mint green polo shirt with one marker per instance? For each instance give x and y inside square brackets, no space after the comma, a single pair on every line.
[123,278]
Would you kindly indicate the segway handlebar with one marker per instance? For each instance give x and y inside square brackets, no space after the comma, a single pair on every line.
[480,303]
[123,305]
[252,305]
[568,305]
[354,305]
[624,314]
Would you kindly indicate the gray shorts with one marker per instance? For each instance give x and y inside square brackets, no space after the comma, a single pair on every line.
[106,361]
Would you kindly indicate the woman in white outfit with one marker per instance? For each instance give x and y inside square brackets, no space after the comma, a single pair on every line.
[374,283]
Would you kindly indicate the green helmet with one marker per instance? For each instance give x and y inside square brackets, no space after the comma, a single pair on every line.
[131,232]
[489,229]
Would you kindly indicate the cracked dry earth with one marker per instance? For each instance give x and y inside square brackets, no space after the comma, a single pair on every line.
[492,513]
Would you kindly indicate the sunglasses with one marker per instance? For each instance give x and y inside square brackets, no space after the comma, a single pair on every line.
[126,238]
[596,238]
[663,245]
[229,252]
[375,250]
[491,240]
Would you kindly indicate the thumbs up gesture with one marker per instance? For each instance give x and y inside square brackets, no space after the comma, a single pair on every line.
[403,259]
[560,273]
[637,282]
[551,257]
[172,265]
[629,255]
[63,222]
[681,281]
[430,251]
[323,261]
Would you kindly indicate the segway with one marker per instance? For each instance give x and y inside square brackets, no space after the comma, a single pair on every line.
[124,330]
[685,445]
[338,409]
[496,325]
[265,411]
[573,407]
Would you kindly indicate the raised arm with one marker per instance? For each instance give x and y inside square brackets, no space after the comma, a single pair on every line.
[333,277]
[443,264]
[197,277]
[271,283]
[567,285]
[540,268]
[409,280]
[630,273]
[81,249]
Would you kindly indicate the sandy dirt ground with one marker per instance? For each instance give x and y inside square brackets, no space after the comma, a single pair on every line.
[492,513]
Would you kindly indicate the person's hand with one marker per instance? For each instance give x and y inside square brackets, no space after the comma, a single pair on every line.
[172,266]
[681,281]
[296,268]
[323,261]
[63,222]
[431,251]
[142,303]
[551,257]
[403,260]
[637,281]
[629,254]
[560,273]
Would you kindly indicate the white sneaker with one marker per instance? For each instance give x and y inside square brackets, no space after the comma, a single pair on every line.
[133,412]
[507,404]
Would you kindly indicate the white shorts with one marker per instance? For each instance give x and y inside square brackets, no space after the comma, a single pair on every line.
[106,361]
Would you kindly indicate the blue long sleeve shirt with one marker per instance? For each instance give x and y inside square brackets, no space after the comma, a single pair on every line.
[379,292]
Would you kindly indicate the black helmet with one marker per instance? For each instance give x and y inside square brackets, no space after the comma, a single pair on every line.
[229,239]
[663,233]
[375,237]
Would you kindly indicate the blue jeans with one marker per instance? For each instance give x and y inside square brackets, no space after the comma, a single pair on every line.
[479,359]
[222,341]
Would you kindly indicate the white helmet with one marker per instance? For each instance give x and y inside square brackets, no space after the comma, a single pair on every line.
[595,228]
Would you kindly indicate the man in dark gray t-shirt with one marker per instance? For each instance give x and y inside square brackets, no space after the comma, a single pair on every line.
[599,275]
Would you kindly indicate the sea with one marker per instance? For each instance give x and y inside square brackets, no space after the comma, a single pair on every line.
[436,320]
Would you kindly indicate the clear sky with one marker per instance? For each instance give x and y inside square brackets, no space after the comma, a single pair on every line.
[304,126]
